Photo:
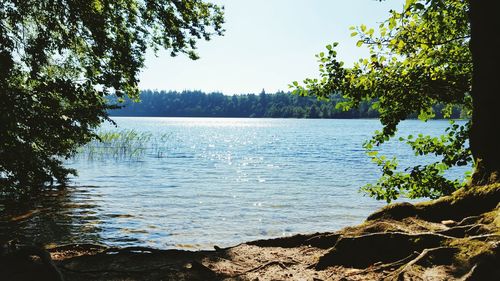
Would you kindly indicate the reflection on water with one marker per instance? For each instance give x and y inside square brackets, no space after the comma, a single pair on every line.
[219,181]
[56,216]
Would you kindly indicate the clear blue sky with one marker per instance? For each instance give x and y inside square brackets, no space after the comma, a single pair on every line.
[267,45]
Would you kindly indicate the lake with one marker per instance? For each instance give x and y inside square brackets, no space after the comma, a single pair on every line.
[219,181]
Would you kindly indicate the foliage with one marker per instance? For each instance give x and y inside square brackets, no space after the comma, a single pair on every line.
[199,104]
[280,105]
[418,57]
[60,59]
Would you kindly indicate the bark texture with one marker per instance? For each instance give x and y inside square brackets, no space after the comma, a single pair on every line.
[485,131]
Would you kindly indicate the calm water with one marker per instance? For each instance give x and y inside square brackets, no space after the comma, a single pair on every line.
[222,182]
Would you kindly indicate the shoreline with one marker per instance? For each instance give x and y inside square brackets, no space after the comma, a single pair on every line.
[451,238]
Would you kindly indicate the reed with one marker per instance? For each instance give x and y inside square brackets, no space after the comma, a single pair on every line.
[125,145]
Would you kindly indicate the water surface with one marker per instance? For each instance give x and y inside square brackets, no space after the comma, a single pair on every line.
[222,181]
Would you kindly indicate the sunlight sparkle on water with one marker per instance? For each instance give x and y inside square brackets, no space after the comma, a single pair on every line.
[224,180]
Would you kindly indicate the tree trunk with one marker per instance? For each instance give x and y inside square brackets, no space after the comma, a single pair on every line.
[485,130]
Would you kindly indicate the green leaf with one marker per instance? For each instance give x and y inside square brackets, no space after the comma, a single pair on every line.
[418,61]
[65,64]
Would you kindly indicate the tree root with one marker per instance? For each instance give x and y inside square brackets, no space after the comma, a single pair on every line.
[323,241]
[93,271]
[282,264]
[484,237]
[434,256]
[142,250]
[83,247]
[483,271]
[469,220]
[379,267]
[462,231]
[377,247]
[461,204]
[194,269]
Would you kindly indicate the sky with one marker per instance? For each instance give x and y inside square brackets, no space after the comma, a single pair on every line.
[267,45]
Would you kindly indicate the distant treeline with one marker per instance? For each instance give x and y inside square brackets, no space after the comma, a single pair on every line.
[277,105]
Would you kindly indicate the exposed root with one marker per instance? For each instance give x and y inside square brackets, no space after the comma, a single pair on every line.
[397,211]
[144,250]
[377,247]
[318,240]
[282,264]
[323,241]
[380,267]
[433,256]
[93,271]
[469,220]
[461,204]
[462,231]
[489,270]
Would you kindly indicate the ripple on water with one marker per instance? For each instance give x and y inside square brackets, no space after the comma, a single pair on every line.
[221,181]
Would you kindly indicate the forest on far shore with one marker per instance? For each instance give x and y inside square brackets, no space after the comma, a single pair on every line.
[275,105]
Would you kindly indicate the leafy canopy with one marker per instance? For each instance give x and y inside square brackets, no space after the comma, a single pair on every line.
[418,57]
[59,59]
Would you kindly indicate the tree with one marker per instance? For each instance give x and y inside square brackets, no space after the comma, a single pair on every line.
[420,57]
[486,97]
[61,58]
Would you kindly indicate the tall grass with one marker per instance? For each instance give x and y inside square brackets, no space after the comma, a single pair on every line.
[125,145]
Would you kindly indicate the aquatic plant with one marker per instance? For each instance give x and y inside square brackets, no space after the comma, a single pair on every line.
[126,144]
